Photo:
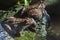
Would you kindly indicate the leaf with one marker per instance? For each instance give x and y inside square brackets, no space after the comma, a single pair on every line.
[26,3]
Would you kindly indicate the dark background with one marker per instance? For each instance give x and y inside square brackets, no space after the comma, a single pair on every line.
[54,12]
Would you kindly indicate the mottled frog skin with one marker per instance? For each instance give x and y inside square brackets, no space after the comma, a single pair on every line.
[40,23]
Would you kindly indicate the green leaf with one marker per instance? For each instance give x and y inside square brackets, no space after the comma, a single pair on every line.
[26,3]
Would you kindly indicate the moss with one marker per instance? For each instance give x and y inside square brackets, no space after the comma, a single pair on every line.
[26,35]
